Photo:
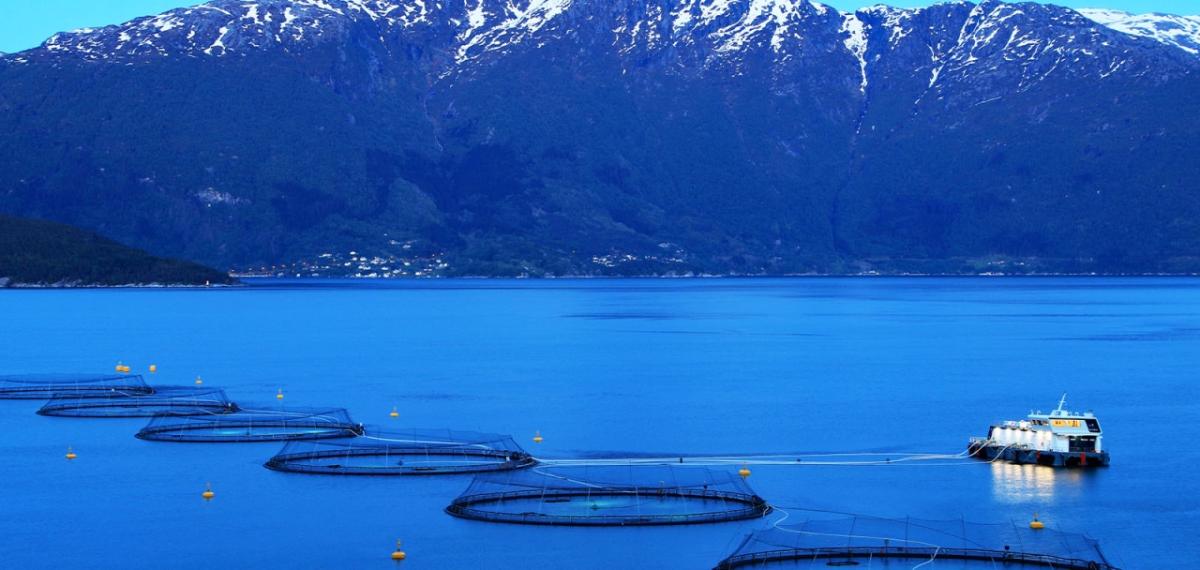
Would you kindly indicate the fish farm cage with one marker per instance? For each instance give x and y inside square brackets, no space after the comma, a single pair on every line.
[164,400]
[403,452]
[256,424]
[44,386]
[609,496]
[855,540]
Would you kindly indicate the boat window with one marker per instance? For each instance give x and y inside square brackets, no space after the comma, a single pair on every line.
[1093,425]
[1068,423]
[1081,444]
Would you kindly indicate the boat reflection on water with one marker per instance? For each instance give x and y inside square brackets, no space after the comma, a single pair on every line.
[1012,483]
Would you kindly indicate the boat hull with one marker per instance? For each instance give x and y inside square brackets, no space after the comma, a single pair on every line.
[1035,457]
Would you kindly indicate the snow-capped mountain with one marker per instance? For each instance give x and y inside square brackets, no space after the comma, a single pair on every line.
[1020,45]
[1179,31]
[467,29]
[236,27]
[1030,42]
[797,137]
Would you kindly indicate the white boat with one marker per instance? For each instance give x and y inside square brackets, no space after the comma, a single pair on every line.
[1060,438]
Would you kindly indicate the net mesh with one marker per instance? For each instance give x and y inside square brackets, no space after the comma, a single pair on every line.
[822,541]
[164,400]
[253,424]
[403,452]
[609,496]
[43,386]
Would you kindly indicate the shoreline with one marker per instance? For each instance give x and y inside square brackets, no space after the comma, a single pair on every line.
[44,286]
[716,276]
[266,280]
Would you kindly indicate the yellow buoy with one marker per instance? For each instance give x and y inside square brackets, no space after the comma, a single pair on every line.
[744,472]
[153,368]
[208,493]
[70,453]
[399,554]
[395,413]
[1036,524]
[279,394]
[199,381]
[537,437]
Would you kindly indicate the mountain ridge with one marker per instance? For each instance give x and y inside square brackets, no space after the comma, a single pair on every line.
[740,136]
[247,23]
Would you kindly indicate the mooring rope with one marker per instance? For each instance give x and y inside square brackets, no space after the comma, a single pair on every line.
[914,459]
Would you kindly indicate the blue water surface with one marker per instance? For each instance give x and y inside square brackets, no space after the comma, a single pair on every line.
[610,368]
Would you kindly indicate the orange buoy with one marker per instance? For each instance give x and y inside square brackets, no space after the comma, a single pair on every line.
[537,437]
[70,453]
[1036,524]
[199,381]
[208,493]
[744,472]
[395,413]
[279,394]
[399,554]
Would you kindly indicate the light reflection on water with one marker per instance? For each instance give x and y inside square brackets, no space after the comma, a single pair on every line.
[1033,484]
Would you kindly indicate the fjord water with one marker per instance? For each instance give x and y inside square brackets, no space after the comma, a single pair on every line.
[604,368]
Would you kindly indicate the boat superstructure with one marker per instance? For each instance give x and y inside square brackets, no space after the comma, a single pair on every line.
[1060,438]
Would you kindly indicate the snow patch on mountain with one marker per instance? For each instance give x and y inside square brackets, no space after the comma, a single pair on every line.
[1182,32]
[895,20]
[744,24]
[760,15]
[856,41]
[519,24]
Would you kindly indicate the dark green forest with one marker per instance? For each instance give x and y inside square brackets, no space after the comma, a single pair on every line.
[36,252]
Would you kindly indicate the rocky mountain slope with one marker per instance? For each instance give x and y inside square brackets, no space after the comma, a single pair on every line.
[616,136]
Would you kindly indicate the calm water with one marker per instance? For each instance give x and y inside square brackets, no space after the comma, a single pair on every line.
[613,367]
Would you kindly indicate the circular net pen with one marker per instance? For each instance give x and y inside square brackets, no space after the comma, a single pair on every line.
[406,452]
[609,496]
[165,401]
[253,425]
[45,386]
[951,543]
